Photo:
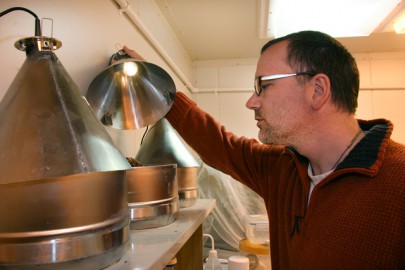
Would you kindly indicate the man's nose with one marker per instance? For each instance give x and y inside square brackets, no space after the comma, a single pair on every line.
[253,102]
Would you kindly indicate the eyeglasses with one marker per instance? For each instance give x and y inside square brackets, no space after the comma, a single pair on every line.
[259,80]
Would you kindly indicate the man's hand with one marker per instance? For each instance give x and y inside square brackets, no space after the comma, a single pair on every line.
[133,54]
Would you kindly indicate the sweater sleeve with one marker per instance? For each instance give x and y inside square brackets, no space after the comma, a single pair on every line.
[240,157]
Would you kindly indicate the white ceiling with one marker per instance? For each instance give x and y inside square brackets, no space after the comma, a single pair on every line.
[229,29]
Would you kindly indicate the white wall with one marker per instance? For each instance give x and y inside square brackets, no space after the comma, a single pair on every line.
[382,91]
[222,89]
[89,31]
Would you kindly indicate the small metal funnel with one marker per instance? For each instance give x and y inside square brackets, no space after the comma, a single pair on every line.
[131,94]
[47,128]
[162,145]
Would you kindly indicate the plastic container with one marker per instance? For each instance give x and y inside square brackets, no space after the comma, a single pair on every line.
[258,254]
[257,229]
[213,261]
[238,263]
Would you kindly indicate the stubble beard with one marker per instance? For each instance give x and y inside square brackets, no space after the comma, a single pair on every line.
[270,135]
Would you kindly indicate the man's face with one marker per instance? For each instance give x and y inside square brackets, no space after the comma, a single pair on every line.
[280,109]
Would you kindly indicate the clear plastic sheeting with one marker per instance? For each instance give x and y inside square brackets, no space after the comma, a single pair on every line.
[234,201]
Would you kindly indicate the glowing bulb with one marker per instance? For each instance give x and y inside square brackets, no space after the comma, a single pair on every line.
[130,68]
[399,25]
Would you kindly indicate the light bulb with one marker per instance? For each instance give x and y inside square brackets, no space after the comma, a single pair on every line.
[130,68]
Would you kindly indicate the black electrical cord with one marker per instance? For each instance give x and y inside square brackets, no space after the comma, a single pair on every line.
[38,31]
[144,134]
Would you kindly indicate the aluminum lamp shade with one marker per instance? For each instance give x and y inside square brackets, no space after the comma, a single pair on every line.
[47,128]
[131,94]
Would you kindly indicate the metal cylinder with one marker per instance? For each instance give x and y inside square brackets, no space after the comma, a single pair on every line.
[78,220]
[152,196]
[188,186]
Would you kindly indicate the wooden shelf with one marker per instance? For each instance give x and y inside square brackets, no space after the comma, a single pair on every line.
[153,248]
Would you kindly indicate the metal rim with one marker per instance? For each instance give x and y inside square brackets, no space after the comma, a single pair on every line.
[151,216]
[65,248]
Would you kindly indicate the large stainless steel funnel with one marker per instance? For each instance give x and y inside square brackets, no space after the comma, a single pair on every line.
[47,128]
[162,145]
[131,94]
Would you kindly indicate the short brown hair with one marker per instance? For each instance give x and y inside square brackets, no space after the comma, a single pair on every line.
[316,52]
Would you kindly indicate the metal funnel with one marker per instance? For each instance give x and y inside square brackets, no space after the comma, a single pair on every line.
[47,128]
[131,94]
[162,145]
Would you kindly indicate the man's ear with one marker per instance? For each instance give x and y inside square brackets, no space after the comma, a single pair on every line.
[322,91]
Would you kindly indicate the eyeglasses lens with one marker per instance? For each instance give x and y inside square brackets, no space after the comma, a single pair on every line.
[257,86]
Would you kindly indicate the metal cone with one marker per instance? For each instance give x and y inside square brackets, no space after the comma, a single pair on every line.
[162,145]
[47,128]
[131,94]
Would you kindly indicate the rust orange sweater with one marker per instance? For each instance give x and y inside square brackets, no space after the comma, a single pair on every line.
[356,215]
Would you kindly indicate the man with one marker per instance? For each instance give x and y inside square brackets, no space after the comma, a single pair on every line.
[334,186]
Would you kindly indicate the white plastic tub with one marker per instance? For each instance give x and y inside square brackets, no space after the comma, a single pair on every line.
[257,229]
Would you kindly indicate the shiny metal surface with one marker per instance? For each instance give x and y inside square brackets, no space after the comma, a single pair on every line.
[152,195]
[131,94]
[64,221]
[40,43]
[103,248]
[188,197]
[162,145]
[47,127]
[151,183]
[188,186]
[153,214]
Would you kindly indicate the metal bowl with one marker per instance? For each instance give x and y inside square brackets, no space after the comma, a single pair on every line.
[152,196]
[80,220]
[188,186]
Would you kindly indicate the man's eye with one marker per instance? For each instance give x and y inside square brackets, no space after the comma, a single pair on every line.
[265,86]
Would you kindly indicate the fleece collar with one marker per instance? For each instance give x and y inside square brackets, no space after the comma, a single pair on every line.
[368,154]
[370,151]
